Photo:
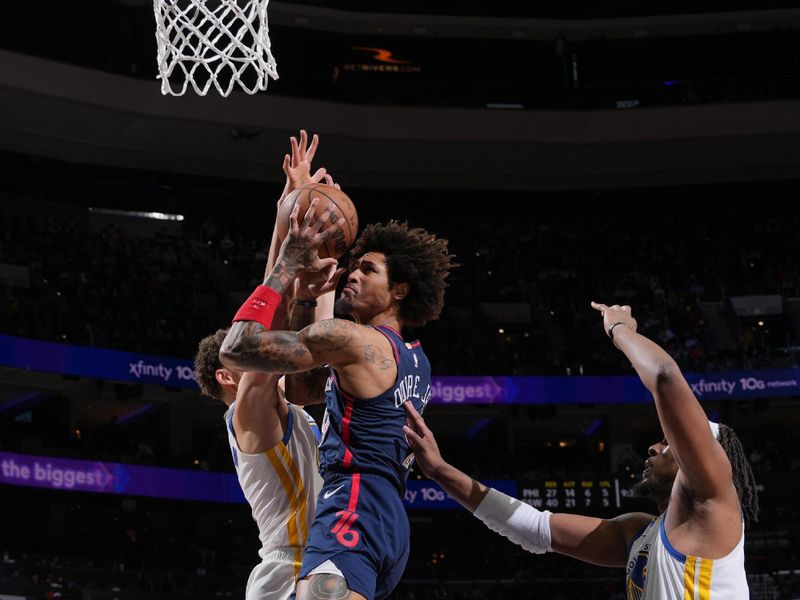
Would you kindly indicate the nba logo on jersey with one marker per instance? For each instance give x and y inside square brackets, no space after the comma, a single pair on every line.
[414,356]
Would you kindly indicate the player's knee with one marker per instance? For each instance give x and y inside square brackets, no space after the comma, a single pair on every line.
[325,586]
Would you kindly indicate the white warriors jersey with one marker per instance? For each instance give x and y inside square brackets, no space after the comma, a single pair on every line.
[281,487]
[657,571]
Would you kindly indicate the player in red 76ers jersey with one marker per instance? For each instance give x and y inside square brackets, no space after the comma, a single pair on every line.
[358,545]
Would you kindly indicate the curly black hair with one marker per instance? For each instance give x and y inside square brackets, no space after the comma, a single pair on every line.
[743,478]
[206,363]
[415,257]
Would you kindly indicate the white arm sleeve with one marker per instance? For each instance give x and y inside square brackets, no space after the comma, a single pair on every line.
[519,522]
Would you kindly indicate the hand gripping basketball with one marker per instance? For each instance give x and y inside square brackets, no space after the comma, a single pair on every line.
[343,216]
[300,249]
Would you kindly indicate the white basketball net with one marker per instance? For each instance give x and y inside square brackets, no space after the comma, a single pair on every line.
[213,42]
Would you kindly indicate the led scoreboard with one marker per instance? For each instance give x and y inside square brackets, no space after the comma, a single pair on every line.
[580,495]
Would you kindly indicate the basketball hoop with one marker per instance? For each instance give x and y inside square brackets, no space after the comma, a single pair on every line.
[213,42]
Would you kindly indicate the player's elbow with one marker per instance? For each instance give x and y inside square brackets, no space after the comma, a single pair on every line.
[232,348]
[227,357]
[666,373]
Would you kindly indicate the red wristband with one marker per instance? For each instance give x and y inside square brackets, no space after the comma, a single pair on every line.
[260,306]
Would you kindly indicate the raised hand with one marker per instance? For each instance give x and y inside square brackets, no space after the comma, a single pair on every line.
[329,180]
[310,285]
[300,249]
[614,316]
[297,166]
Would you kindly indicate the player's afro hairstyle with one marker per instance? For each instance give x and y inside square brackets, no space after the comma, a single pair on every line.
[415,257]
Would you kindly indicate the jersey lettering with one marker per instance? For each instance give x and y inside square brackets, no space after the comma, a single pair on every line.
[406,389]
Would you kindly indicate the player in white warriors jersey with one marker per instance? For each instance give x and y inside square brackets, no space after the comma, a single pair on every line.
[274,444]
[697,475]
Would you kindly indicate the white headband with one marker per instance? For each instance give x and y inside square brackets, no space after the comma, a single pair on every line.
[714,429]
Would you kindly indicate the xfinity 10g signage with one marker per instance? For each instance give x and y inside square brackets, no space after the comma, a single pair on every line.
[67,359]
[735,385]
[424,494]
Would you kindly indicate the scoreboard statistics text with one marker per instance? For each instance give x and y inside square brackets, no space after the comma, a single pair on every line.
[581,495]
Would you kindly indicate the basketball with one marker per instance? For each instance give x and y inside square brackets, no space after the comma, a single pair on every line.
[343,216]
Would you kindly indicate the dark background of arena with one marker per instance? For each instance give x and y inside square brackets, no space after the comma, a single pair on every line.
[597,150]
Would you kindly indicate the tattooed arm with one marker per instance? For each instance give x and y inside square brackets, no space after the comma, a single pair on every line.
[250,347]
[297,167]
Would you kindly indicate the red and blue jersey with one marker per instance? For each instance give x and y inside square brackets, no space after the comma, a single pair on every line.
[365,435]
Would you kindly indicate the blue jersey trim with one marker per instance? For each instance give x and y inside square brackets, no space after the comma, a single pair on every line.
[289,423]
[665,540]
[637,536]
[392,329]
[395,352]
[230,422]
[395,349]
[317,433]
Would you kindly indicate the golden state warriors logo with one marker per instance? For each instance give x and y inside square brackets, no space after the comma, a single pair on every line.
[637,574]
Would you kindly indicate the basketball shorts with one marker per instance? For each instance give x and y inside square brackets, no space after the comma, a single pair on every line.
[361,526]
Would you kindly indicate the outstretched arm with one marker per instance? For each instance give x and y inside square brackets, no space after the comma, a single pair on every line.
[297,168]
[598,541]
[249,346]
[703,464]
[467,491]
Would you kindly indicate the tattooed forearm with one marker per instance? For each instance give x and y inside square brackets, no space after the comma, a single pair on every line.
[373,354]
[242,338]
[281,277]
[250,347]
